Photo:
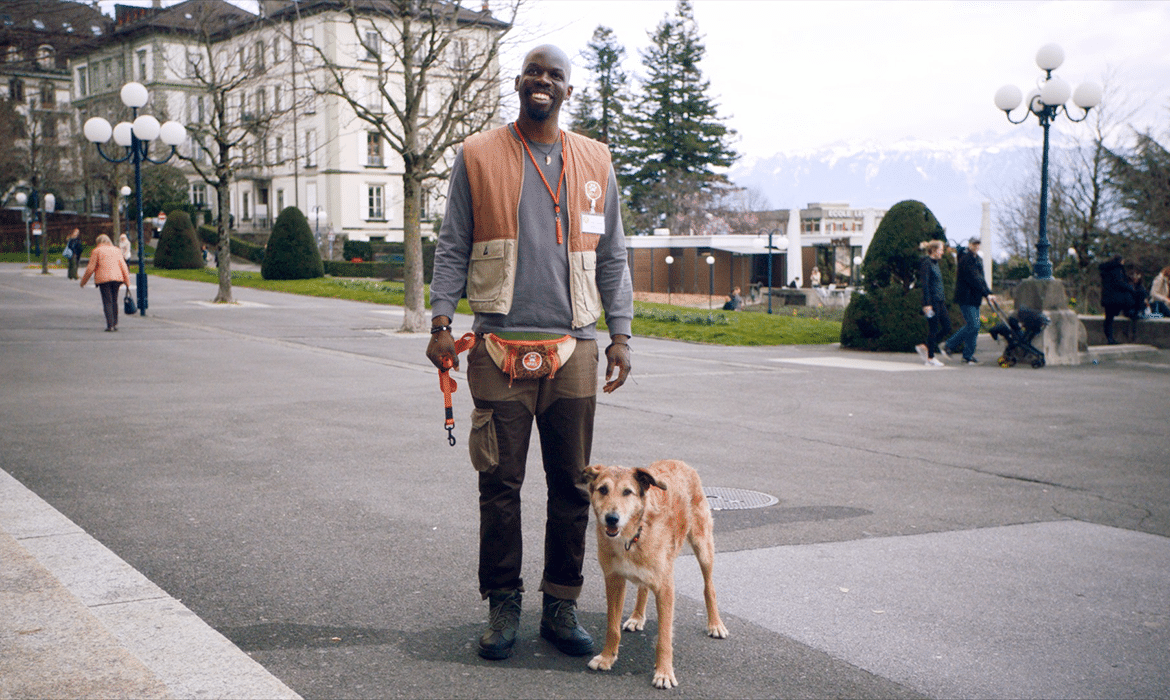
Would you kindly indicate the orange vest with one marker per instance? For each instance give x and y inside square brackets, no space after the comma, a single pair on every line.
[495,173]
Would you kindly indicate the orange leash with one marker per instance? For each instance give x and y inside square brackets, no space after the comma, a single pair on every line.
[448,385]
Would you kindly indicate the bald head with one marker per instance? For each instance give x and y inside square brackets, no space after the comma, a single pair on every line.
[551,55]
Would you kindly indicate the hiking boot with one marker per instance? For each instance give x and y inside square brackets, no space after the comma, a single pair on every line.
[503,625]
[558,624]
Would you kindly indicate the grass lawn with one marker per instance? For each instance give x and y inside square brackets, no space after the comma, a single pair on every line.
[787,326]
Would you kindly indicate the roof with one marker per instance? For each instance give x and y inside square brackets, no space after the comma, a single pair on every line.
[62,23]
[192,16]
[294,8]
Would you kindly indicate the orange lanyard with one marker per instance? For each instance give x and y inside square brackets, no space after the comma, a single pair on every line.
[556,198]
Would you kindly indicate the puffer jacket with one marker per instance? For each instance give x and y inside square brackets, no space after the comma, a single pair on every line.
[106,264]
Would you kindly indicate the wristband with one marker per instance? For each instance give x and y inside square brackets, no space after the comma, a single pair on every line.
[439,329]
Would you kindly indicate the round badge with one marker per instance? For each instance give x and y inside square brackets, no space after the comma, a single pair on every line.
[592,190]
[532,361]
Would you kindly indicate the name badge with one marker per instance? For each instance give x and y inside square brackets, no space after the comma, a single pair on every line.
[593,223]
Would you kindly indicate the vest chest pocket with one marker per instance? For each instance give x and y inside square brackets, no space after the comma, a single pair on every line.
[490,272]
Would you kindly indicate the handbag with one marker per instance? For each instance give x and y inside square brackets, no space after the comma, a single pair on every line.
[128,304]
[68,253]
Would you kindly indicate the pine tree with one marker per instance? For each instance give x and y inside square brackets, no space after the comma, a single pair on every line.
[678,139]
[602,111]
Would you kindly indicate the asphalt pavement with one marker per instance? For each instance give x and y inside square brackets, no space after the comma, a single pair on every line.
[258,500]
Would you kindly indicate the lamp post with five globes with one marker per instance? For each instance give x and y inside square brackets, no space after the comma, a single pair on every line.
[135,138]
[1047,102]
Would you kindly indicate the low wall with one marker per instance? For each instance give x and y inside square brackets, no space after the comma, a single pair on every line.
[1154,331]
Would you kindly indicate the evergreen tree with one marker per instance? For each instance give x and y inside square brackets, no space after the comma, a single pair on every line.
[603,110]
[178,246]
[292,252]
[678,139]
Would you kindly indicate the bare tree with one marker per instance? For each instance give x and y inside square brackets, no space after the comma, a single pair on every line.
[231,114]
[430,79]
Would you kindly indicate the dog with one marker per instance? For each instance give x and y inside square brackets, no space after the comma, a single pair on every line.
[643,517]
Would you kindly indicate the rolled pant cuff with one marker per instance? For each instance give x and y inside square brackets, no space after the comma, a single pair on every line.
[485,593]
[556,590]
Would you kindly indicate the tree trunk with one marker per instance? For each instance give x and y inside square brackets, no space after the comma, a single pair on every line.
[414,319]
[224,254]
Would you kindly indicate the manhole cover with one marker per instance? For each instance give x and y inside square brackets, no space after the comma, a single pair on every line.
[721,498]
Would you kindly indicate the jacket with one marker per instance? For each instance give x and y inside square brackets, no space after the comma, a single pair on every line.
[106,264]
[1116,291]
[495,169]
[970,285]
[930,278]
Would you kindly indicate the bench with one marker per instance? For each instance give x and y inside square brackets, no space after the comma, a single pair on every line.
[1152,331]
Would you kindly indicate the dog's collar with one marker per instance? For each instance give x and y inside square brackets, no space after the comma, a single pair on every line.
[634,541]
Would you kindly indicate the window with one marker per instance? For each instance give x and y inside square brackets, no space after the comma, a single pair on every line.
[279,152]
[310,149]
[246,209]
[259,58]
[82,83]
[108,71]
[48,96]
[16,90]
[12,55]
[280,200]
[373,44]
[276,43]
[374,202]
[141,55]
[199,196]
[374,149]
[276,98]
[373,95]
[46,57]
[194,64]
[261,103]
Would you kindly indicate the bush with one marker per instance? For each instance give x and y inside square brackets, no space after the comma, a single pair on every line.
[249,251]
[887,314]
[292,252]
[209,234]
[178,248]
[338,268]
[358,249]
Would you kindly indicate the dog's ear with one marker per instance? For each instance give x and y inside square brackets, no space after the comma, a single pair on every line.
[590,473]
[645,480]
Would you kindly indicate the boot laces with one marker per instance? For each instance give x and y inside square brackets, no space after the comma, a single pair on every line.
[504,615]
[563,613]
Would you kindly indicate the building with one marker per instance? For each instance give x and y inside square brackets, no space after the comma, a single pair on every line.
[278,90]
[831,237]
[37,40]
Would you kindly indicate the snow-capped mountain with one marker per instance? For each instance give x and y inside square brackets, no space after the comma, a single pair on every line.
[953,178]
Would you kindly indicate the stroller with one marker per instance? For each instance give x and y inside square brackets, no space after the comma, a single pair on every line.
[1018,331]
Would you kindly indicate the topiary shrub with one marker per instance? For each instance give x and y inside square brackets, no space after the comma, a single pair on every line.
[291,253]
[887,313]
[178,247]
[358,249]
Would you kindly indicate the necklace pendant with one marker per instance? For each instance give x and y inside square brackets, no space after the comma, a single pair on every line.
[548,160]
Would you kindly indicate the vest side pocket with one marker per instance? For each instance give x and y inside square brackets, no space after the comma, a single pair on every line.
[483,444]
[490,276]
[586,297]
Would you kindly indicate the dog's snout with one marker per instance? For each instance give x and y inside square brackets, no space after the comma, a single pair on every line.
[611,519]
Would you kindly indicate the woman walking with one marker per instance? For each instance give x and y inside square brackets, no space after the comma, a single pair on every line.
[934,302]
[109,271]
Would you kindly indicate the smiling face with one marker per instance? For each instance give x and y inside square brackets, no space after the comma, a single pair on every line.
[618,495]
[543,84]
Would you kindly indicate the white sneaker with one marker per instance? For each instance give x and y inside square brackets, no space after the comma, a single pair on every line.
[934,362]
[922,352]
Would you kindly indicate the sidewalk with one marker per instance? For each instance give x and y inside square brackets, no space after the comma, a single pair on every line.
[326,535]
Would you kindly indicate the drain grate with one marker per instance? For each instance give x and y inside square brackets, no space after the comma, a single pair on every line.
[721,498]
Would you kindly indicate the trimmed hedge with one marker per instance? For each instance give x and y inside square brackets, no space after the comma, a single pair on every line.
[291,253]
[341,268]
[178,248]
[887,314]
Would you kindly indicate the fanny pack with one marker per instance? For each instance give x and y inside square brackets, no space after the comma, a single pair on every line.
[529,359]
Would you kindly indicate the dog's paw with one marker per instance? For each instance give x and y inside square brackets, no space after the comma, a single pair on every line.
[665,678]
[718,631]
[635,624]
[601,662]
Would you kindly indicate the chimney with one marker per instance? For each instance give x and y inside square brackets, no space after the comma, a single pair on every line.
[486,6]
[156,4]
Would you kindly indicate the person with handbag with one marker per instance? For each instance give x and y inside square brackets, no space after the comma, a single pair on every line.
[533,232]
[934,304]
[73,249]
[109,271]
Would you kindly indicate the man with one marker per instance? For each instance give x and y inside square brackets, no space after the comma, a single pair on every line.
[533,232]
[970,288]
[73,245]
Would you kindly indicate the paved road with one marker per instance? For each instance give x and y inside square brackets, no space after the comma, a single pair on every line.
[279,469]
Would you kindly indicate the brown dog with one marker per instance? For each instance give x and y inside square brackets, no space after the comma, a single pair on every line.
[643,518]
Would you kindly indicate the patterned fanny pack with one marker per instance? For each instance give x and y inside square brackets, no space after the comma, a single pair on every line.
[529,359]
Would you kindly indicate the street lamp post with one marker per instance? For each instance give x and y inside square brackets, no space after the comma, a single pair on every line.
[711,276]
[782,244]
[1046,102]
[135,138]
[27,204]
[669,262]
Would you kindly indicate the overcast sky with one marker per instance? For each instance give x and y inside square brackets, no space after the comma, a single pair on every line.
[791,75]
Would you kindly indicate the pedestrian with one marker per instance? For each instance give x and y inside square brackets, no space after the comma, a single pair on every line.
[970,289]
[814,277]
[124,244]
[934,305]
[734,300]
[74,246]
[537,284]
[109,271]
[1117,294]
[1141,298]
[1160,293]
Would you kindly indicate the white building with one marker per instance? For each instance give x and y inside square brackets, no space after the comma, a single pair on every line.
[262,82]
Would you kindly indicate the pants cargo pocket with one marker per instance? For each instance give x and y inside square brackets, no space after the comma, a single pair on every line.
[483,444]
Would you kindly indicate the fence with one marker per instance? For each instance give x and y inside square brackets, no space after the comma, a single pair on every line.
[59,225]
